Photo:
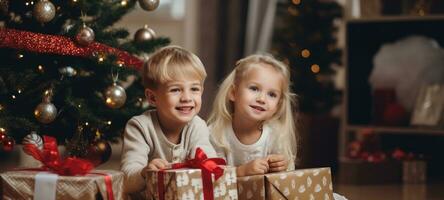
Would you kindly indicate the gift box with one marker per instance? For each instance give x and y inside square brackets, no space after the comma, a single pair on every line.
[299,184]
[28,184]
[251,187]
[188,184]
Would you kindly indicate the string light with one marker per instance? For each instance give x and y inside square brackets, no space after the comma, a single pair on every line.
[124,2]
[86,123]
[1,107]
[120,63]
[40,68]
[13,96]
[19,91]
[315,68]
[20,55]
[101,59]
[305,53]
[79,105]
[108,122]
[75,1]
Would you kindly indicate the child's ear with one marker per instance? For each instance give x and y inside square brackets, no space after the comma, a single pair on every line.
[231,93]
[150,96]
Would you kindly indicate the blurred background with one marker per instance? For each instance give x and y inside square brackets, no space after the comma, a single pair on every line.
[369,75]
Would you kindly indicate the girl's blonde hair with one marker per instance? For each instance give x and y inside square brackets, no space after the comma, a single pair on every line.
[282,122]
[170,63]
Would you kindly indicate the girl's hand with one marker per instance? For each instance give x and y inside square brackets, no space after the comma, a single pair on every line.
[254,167]
[277,162]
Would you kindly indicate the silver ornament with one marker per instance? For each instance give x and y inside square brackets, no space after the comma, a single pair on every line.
[34,138]
[85,35]
[68,71]
[144,34]
[45,112]
[44,11]
[149,5]
[115,96]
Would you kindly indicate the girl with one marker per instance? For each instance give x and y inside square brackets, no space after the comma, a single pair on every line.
[252,123]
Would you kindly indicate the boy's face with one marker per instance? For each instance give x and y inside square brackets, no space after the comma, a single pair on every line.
[177,101]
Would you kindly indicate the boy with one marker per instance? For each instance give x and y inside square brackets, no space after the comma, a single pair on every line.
[173,79]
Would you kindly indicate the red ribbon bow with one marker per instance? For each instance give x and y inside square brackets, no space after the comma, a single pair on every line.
[50,158]
[207,165]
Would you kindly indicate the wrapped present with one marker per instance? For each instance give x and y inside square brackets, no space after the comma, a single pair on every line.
[198,178]
[104,184]
[299,184]
[251,187]
[58,178]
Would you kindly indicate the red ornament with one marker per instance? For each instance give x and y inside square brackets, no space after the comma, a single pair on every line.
[395,114]
[99,152]
[8,144]
[398,154]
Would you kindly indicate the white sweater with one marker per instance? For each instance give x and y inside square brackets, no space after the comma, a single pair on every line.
[144,141]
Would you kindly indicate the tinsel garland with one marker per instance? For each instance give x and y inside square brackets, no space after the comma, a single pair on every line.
[60,45]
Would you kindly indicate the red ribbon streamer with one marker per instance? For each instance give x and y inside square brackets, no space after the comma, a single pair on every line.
[207,165]
[108,184]
[50,158]
[55,44]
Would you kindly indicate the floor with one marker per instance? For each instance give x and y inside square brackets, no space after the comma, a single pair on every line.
[392,192]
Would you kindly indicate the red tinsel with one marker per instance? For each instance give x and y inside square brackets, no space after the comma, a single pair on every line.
[50,158]
[52,44]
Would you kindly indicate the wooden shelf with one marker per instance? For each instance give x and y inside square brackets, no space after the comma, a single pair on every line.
[398,130]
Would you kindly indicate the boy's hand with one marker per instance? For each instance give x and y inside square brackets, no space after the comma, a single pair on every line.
[157,164]
[277,162]
[254,167]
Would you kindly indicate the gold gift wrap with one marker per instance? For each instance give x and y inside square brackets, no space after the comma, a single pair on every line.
[300,184]
[20,185]
[251,187]
[187,184]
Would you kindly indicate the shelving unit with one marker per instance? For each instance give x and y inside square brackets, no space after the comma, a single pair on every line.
[364,37]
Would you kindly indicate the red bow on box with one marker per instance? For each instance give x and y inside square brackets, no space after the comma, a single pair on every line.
[207,166]
[50,158]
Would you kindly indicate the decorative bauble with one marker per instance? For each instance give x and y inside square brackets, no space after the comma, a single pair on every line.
[85,36]
[4,7]
[68,71]
[144,34]
[45,112]
[99,152]
[8,144]
[44,11]
[149,5]
[115,96]
[35,139]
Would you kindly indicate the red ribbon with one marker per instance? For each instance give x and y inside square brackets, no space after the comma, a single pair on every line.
[207,165]
[60,45]
[108,184]
[50,158]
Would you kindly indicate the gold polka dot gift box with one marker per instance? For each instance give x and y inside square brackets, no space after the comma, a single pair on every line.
[298,184]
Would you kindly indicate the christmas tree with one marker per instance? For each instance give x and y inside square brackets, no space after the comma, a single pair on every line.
[304,39]
[67,72]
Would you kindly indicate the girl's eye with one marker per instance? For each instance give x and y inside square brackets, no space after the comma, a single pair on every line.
[272,94]
[253,88]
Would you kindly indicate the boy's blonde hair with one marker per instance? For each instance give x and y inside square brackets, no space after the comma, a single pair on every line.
[283,120]
[171,63]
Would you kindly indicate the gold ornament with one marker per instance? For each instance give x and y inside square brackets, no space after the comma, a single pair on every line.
[149,5]
[85,35]
[144,34]
[115,96]
[46,112]
[44,11]
[4,7]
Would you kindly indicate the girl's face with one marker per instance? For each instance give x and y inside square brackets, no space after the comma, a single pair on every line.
[256,96]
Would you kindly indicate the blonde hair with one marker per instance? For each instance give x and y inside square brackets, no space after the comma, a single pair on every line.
[170,63]
[282,121]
